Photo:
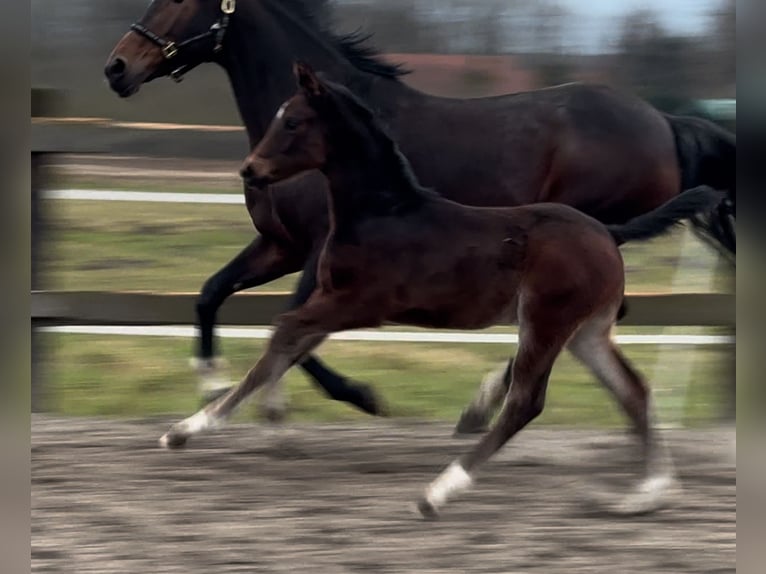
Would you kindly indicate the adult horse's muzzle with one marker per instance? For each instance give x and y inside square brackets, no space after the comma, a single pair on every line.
[133,62]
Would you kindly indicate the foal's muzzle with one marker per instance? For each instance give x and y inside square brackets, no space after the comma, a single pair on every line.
[253,177]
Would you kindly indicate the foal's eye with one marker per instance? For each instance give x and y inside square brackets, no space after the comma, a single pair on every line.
[292,124]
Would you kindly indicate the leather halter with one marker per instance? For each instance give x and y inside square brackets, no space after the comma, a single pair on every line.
[170,48]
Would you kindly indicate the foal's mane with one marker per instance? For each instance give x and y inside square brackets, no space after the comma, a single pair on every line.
[354,47]
[347,101]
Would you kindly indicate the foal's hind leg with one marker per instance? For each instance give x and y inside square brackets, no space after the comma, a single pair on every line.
[593,346]
[524,401]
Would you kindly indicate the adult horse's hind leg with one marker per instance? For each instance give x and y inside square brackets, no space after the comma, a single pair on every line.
[524,401]
[593,346]
[336,386]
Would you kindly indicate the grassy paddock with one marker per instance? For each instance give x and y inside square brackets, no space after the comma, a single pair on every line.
[142,376]
[173,247]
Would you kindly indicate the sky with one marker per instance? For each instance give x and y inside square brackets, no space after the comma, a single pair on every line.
[595,19]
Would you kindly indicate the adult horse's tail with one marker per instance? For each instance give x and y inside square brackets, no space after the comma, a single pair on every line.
[707,155]
[699,201]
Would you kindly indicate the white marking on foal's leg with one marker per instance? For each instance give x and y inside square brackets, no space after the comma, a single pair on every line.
[453,480]
[200,421]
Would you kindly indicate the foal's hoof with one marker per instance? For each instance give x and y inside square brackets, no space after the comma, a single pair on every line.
[472,421]
[173,441]
[427,510]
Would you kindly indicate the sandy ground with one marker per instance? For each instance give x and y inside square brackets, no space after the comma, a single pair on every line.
[338,499]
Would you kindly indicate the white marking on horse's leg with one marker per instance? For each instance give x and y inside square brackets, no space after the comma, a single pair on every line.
[478,413]
[200,421]
[652,493]
[492,390]
[453,480]
[211,374]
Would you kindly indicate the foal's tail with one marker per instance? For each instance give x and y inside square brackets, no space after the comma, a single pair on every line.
[707,155]
[701,200]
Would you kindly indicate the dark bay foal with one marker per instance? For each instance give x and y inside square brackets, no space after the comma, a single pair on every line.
[397,252]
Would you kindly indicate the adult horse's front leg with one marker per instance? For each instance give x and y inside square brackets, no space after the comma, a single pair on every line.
[263,260]
[336,386]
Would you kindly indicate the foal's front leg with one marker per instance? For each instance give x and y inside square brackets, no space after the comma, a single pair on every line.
[286,346]
[297,333]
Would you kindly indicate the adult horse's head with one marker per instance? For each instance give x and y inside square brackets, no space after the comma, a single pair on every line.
[172,37]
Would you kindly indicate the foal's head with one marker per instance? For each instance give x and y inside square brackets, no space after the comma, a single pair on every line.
[326,123]
[295,141]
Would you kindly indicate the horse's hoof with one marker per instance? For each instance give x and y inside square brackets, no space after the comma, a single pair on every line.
[427,510]
[653,494]
[471,422]
[173,441]
[369,402]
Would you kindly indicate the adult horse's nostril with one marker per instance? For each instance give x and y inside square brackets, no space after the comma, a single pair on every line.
[115,68]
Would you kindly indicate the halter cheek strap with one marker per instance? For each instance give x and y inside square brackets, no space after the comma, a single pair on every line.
[170,49]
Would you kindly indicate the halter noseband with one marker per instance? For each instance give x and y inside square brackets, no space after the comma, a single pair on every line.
[170,49]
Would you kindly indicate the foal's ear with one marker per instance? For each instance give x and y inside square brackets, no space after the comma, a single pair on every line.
[307,79]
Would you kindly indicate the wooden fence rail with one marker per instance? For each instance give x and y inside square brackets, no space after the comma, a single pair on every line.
[138,308]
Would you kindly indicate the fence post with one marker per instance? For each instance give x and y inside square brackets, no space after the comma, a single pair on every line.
[38,231]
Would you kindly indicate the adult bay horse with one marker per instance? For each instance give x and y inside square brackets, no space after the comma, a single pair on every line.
[398,252]
[605,153]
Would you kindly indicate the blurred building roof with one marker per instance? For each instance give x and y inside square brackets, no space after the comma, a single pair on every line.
[466,75]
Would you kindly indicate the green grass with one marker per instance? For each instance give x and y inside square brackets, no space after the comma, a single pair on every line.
[173,247]
[139,377]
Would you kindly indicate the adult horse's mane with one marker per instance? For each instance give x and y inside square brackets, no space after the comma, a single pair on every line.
[354,46]
[346,99]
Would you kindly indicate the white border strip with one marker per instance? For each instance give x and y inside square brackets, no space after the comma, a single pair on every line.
[386,336]
[145,196]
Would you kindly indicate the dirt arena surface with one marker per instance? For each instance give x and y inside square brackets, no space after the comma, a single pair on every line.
[339,499]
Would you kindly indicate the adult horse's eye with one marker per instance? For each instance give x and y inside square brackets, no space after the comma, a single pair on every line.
[292,124]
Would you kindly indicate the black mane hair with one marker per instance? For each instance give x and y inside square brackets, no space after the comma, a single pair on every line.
[354,46]
[345,99]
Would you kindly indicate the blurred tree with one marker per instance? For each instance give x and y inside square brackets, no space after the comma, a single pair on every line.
[663,68]
[724,31]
